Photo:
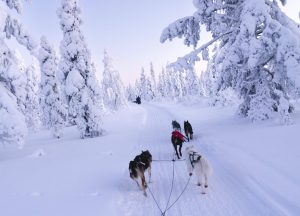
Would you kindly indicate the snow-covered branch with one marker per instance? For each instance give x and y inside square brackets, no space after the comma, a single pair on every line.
[16,29]
[188,27]
[190,59]
[14,4]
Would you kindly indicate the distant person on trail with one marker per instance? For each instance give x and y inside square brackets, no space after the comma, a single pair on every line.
[138,100]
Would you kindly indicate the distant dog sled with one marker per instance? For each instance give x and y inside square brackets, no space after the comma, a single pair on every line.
[138,100]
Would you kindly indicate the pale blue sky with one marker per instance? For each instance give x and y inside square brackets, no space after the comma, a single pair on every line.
[128,29]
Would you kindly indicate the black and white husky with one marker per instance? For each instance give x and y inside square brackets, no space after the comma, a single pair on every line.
[176,126]
[137,168]
[188,130]
[196,161]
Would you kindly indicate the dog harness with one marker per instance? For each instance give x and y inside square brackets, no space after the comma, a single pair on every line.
[194,158]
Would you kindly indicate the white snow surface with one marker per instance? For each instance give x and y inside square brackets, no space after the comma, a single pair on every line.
[255,167]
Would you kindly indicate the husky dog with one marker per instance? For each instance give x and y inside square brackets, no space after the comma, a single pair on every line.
[177,139]
[188,130]
[196,161]
[176,126]
[137,168]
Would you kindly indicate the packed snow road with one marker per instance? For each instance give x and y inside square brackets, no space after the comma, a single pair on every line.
[231,191]
[254,167]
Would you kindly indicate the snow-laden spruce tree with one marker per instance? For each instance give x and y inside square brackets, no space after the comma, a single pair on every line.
[141,85]
[258,52]
[137,87]
[130,93]
[98,93]
[53,110]
[192,82]
[148,90]
[168,81]
[161,85]
[20,81]
[153,80]
[79,78]
[12,121]
[32,106]
[113,89]
[144,87]
[177,84]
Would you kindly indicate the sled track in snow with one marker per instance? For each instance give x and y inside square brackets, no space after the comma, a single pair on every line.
[223,195]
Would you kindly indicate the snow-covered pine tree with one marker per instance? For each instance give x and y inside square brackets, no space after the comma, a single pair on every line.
[112,85]
[183,82]
[53,110]
[12,123]
[148,92]
[75,65]
[257,43]
[192,82]
[161,85]
[137,87]
[177,90]
[14,4]
[168,82]
[141,85]
[153,80]
[99,102]
[130,93]
[20,81]
[32,106]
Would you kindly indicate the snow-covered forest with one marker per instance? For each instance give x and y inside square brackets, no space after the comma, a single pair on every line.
[68,127]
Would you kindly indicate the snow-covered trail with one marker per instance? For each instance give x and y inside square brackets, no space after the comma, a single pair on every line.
[230,192]
[252,173]
[69,176]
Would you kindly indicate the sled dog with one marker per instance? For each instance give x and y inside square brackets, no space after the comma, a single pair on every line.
[196,161]
[188,130]
[137,169]
[177,139]
[176,126]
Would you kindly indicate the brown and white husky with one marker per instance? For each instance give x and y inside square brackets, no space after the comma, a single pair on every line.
[137,169]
